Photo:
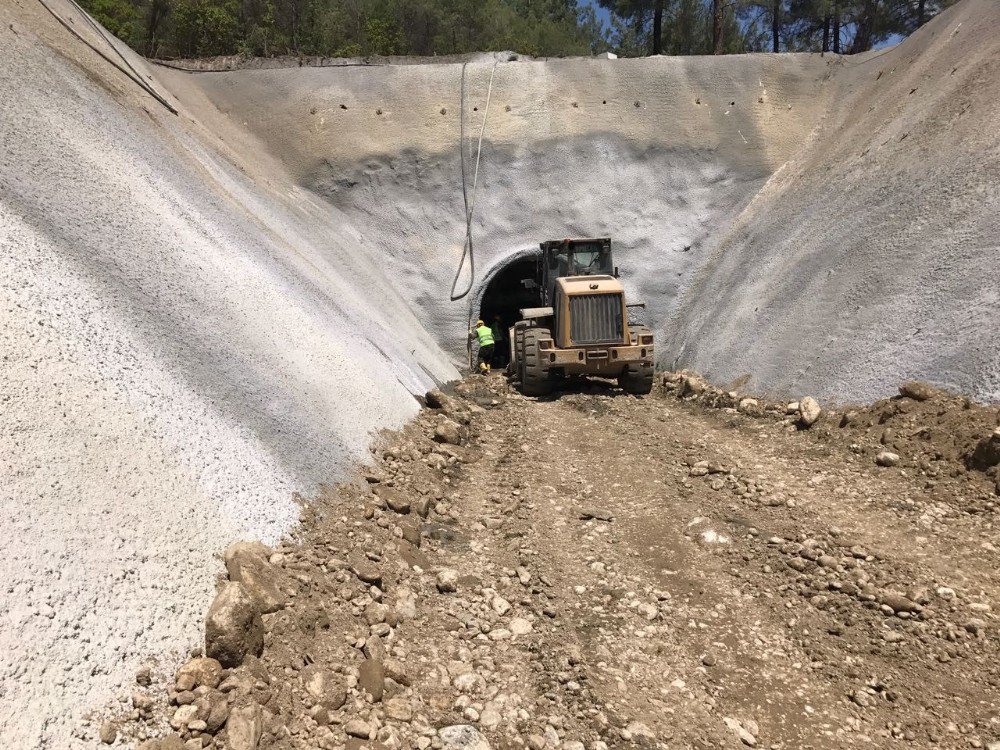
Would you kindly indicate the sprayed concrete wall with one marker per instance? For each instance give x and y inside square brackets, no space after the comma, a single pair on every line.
[204,313]
[661,154]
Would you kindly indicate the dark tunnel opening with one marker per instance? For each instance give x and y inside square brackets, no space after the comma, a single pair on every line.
[504,298]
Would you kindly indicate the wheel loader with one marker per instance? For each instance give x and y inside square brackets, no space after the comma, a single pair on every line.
[580,326]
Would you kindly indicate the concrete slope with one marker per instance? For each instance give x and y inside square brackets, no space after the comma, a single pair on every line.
[873,256]
[188,339]
[658,153]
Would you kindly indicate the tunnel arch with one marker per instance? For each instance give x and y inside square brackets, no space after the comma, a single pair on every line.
[501,292]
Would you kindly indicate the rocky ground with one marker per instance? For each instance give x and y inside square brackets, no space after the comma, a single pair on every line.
[689,569]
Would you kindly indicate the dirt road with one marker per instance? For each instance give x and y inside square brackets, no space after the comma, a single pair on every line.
[633,572]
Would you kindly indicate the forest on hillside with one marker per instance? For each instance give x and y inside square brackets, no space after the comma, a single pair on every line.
[549,28]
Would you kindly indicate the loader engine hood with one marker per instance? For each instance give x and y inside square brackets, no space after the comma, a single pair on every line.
[573,285]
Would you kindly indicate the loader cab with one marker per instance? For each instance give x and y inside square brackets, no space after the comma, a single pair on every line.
[565,258]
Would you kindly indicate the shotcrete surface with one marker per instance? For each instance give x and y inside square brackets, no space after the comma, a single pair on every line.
[206,313]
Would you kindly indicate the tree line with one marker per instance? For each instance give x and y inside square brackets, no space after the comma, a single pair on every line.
[554,28]
[704,27]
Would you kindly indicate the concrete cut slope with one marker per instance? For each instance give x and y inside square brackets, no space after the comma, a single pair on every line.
[659,153]
[873,256]
[188,339]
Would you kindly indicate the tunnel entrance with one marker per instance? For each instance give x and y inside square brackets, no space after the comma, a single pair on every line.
[505,296]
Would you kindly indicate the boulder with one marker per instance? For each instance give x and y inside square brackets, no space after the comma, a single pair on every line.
[203,671]
[244,727]
[326,688]
[248,563]
[987,453]
[462,737]
[917,390]
[448,431]
[809,411]
[395,499]
[371,678]
[233,627]
[887,458]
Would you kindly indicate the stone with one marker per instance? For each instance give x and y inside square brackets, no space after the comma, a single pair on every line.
[398,709]
[182,716]
[422,506]
[213,709]
[325,687]
[395,499]
[519,626]
[144,676]
[360,728]
[447,580]
[899,603]
[366,571]
[169,742]
[597,514]
[469,682]
[233,627]
[987,453]
[448,432]
[748,406]
[500,605]
[636,730]
[887,458]
[108,733]
[917,390]
[248,563]
[201,671]
[746,737]
[244,727]
[462,737]
[809,411]
[396,671]
[411,533]
[376,612]
[371,678]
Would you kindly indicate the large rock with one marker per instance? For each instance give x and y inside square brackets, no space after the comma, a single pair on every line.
[987,453]
[462,737]
[247,563]
[371,678]
[448,431]
[170,742]
[325,687]
[233,627]
[244,727]
[918,391]
[199,672]
[809,411]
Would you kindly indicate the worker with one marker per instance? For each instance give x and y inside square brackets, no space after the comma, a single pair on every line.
[485,336]
[499,337]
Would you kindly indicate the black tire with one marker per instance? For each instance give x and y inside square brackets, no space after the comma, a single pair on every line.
[637,379]
[516,367]
[535,378]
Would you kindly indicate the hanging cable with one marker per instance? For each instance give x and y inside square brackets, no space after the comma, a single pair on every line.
[130,73]
[470,205]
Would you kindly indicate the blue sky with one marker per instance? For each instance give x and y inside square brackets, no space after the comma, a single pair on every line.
[604,16]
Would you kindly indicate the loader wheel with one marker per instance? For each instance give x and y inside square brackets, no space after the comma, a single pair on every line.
[637,379]
[517,363]
[535,380]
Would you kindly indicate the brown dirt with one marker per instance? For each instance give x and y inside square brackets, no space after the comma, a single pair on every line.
[788,593]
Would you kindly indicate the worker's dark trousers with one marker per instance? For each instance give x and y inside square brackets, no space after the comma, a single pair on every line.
[485,354]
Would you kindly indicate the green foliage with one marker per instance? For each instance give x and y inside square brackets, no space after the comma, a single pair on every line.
[120,17]
[352,28]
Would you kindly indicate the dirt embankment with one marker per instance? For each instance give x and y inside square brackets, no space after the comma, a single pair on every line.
[604,571]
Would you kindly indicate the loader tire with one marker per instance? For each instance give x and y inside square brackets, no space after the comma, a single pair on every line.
[535,377]
[517,363]
[637,379]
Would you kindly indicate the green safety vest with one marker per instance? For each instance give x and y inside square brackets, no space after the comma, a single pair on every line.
[485,336]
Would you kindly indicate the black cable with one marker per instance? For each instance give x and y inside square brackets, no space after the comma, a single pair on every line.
[136,78]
